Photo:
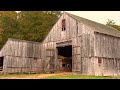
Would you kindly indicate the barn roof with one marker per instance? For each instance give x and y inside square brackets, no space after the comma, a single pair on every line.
[101,28]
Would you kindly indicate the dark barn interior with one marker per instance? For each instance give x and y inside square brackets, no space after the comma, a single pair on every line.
[1,63]
[65,58]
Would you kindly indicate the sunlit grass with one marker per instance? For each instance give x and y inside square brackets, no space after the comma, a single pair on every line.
[79,77]
[54,76]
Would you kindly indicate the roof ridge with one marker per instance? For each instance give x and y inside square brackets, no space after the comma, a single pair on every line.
[97,27]
[86,19]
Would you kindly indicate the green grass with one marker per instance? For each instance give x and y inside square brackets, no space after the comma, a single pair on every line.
[82,77]
[55,76]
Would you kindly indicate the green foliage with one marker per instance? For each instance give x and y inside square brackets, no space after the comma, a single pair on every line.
[112,24]
[26,25]
[36,24]
[79,77]
[116,27]
[7,21]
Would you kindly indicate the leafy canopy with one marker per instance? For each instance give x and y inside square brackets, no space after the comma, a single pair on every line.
[26,25]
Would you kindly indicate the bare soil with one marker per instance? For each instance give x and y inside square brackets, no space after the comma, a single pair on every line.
[31,76]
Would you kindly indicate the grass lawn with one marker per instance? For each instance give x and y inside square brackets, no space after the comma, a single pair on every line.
[81,77]
[54,76]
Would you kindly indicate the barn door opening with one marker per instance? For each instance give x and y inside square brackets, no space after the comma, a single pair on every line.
[65,58]
[1,63]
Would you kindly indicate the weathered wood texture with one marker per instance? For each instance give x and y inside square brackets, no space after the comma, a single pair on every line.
[21,55]
[21,48]
[104,47]
[73,29]
[107,67]
[81,36]
[76,54]
[14,64]
[49,57]
[87,45]
[88,48]
[107,46]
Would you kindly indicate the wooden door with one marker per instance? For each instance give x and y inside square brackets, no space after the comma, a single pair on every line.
[50,60]
[76,56]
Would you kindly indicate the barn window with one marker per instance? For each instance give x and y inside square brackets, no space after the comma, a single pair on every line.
[76,27]
[63,25]
[35,60]
[63,65]
[99,60]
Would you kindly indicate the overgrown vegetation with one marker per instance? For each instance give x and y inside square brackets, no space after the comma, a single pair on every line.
[26,25]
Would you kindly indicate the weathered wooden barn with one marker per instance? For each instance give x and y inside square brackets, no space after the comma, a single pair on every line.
[93,47]
[88,48]
[20,56]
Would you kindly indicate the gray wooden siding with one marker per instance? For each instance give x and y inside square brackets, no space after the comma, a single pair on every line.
[57,35]
[21,48]
[82,42]
[107,46]
[14,64]
[21,56]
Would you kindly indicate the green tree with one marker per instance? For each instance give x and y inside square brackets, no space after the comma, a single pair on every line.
[27,25]
[112,24]
[36,24]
